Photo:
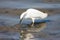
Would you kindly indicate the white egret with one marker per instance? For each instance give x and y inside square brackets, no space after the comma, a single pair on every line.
[32,14]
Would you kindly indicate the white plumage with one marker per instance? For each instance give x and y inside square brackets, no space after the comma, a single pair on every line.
[30,15]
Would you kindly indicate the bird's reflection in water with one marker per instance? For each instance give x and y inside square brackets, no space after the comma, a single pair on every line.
[26,30]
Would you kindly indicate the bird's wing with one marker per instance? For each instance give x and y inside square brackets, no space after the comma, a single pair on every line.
[8,20]
[36,13]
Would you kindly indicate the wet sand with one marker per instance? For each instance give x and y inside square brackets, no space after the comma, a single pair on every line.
[19,11]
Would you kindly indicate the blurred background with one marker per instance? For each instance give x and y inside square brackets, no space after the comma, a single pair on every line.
[11,6]
[10,11]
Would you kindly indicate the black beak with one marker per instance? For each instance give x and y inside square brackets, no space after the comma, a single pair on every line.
[20,21]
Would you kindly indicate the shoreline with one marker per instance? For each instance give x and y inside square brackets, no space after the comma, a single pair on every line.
[19,11]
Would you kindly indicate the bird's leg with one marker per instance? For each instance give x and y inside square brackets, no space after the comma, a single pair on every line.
[32,22]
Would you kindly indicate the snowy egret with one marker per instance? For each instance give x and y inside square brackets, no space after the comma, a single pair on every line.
[32,14]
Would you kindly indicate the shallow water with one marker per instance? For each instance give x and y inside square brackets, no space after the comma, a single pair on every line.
[9,20]
[28,4]
[51,31]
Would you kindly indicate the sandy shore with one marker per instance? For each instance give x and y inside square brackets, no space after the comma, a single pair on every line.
[19,11]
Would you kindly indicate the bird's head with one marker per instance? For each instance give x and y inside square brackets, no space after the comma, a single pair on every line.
[20,19]
[22,16]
